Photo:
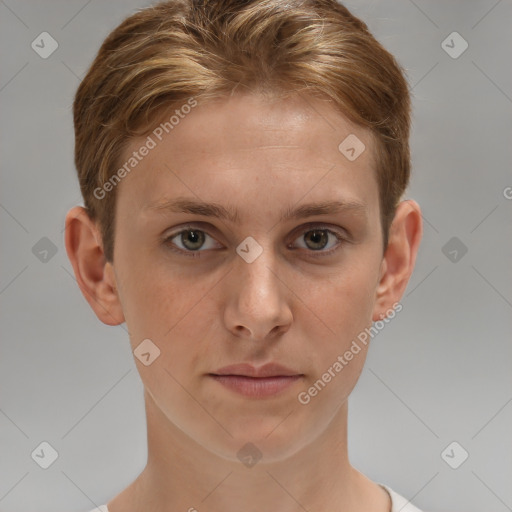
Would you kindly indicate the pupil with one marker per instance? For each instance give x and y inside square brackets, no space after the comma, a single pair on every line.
[318,236]
[194,237]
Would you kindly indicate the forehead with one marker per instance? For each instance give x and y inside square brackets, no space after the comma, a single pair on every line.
[230,148]
[241,122]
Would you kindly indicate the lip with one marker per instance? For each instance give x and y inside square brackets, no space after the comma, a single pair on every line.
[247,370]
[265,381]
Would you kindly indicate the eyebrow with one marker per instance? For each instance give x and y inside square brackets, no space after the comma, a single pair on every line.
[192,206]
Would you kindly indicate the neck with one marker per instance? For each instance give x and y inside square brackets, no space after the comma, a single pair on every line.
[183,475]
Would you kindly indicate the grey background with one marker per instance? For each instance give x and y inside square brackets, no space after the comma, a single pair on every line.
[439,372]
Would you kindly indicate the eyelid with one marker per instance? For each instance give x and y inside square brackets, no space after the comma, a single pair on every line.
[318,225]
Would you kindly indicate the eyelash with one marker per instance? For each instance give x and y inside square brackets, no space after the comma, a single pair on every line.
[197,254]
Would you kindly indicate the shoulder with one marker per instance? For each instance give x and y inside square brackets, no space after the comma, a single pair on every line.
[398,502]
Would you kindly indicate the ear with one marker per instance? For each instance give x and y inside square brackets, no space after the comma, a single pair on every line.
[399,259]
[94,274]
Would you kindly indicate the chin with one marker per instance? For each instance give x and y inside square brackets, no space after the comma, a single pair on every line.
[259,440]
[251,450]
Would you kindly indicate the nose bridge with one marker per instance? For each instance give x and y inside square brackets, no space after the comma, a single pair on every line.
[257,269]
[259,300]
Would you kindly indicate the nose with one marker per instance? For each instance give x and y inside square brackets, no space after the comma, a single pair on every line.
[258,304]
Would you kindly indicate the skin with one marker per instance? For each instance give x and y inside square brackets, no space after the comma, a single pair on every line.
[287,306]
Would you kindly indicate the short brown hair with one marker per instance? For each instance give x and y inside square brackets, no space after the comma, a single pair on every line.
[167,53]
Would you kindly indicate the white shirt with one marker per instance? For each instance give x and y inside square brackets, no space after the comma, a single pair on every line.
[398,503]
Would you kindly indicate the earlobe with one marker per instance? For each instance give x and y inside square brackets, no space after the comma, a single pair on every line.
[93,273]
[400,257]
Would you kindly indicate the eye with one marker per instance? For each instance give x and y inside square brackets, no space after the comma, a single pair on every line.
[191,240]
[317,239]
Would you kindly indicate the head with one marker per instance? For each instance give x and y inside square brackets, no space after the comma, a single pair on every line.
[256,110]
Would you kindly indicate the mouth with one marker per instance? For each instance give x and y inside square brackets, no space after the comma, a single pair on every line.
[262,382]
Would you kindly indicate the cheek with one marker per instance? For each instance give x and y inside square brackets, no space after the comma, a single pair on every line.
[345,302]
[339,355]
[344,305]
[177,314]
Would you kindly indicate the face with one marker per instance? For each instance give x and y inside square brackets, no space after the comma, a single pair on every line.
[257,287]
